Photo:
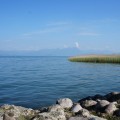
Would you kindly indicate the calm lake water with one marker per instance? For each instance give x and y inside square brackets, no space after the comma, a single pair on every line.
[39,81]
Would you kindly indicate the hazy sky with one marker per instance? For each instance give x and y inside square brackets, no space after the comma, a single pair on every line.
[41,24]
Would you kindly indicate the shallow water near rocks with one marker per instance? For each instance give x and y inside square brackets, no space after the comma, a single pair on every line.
[38,81]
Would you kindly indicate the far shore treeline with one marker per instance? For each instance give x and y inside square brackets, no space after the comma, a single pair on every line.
[96,58]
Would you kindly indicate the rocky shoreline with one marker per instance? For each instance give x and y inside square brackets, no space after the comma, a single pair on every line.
[96,107]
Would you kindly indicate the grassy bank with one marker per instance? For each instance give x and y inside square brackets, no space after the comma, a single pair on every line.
[97,59]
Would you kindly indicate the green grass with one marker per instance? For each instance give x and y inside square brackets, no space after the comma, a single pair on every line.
[97,59]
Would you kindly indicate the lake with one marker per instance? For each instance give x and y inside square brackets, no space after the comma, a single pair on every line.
[39,81]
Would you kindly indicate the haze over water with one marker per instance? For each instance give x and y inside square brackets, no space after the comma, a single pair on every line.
[39,81]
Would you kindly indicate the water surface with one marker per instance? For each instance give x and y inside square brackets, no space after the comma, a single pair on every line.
[39,81]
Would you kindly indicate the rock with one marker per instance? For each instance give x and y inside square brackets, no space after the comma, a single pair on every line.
[7,107]
[76,108]
[55,112]
[55,108]
[1,113]
[110,108]
[50,116]
[65,102]
[102,103]
[113,96]
[105,106]
[87,98]
[43,109]
[8,116]
[89,103]
[77,118]
[97,96]
[18,111]
[115,103]
[53,115]
[117,113]
[96,118]
[115,93]
[84,113]
[1,118]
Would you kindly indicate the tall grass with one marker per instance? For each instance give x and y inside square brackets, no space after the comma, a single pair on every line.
[97,59]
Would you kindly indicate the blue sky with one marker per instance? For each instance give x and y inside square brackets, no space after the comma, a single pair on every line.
[50,24]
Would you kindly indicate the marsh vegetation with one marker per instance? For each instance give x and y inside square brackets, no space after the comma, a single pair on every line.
[96,58]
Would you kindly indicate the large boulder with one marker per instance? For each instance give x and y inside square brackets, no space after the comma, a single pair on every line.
[102,103]
[84,113]
[117,113]
[8,116]
[55,108]
[89,103]
[1,117]
[43,109]
[76,108]
[11,112]
[96,97]
[113,96]
[110,108]
[52,115]
[55,112]
[65,102]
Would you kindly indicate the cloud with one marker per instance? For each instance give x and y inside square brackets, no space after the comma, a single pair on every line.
[88,34]
[77,45]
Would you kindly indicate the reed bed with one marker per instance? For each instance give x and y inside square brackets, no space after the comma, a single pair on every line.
[97,59]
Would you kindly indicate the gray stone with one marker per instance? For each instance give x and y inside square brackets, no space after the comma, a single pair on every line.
[76,108]
[78,118]
[115,93]
[43,109]
[17,111]
[113,96]
[89,103]
[65,102]
[55,108]
[117,112]
[110,108]
[1,113]
[54,115]
[96,118]
[8,117]
[84,113]
[55,112]
[115,103]
[102,103]
[1,118]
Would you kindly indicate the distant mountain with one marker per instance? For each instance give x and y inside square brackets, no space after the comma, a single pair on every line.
[54,52]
